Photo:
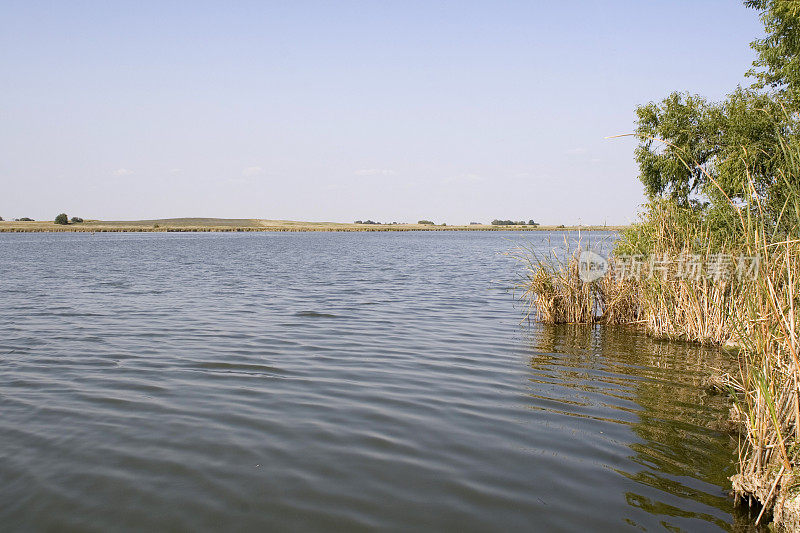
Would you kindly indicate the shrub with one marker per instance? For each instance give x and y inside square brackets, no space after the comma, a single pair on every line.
[62,219]
[425,222]
[24,219]
[76,220]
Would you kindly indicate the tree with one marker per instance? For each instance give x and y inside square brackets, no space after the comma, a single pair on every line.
[689,147]
[76,220]
[682,120]
[62,219]
[700,154]
[497,222]
[778,64]
[425,222]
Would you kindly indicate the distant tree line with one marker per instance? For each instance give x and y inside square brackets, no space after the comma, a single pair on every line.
[425,222]
[63,219]
[60,219]
[497,222]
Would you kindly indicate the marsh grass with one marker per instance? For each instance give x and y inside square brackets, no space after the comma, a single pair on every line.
[552,287]
[555,294]
[766,396]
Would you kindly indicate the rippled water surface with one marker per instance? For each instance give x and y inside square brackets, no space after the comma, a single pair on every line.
[319,381]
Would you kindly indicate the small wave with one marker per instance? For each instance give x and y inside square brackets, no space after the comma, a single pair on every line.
[238,367]
[315,314]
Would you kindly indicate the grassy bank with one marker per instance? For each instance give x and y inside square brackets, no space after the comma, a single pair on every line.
[230,224]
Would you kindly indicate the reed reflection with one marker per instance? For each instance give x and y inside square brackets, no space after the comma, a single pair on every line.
[679,449]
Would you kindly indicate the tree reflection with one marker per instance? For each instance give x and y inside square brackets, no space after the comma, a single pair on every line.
[679,448]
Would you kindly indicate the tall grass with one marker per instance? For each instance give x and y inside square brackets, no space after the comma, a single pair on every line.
[552,287]
[555,293]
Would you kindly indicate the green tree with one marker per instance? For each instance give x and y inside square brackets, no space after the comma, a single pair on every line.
[778,64]
[62,219]
[699,153]
[682,120]
[690,148]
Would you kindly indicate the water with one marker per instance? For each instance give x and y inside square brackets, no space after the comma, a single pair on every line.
[320,381]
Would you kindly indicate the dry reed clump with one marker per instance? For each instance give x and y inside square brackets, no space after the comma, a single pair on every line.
[556,294]
[560,295]
[619,299]
[697,310]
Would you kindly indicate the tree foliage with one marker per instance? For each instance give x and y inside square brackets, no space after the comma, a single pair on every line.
[62,219]
[498,222]
[697,153]
[778,63]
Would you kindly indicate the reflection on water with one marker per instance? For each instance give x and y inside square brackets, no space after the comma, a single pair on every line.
[655,388]
[333,382]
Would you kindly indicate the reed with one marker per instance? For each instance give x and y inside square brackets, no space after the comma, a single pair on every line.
[556,294]
[552,287]
[767,400]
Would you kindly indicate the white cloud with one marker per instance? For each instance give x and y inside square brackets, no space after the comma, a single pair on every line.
[249,172]
[123,172]
[375,172]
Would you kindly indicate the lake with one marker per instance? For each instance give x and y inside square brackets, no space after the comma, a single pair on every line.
[335,381]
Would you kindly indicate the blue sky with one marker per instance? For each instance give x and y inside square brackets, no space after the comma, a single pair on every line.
[342,110]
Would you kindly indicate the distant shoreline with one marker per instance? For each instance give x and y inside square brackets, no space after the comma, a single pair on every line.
[201,225]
